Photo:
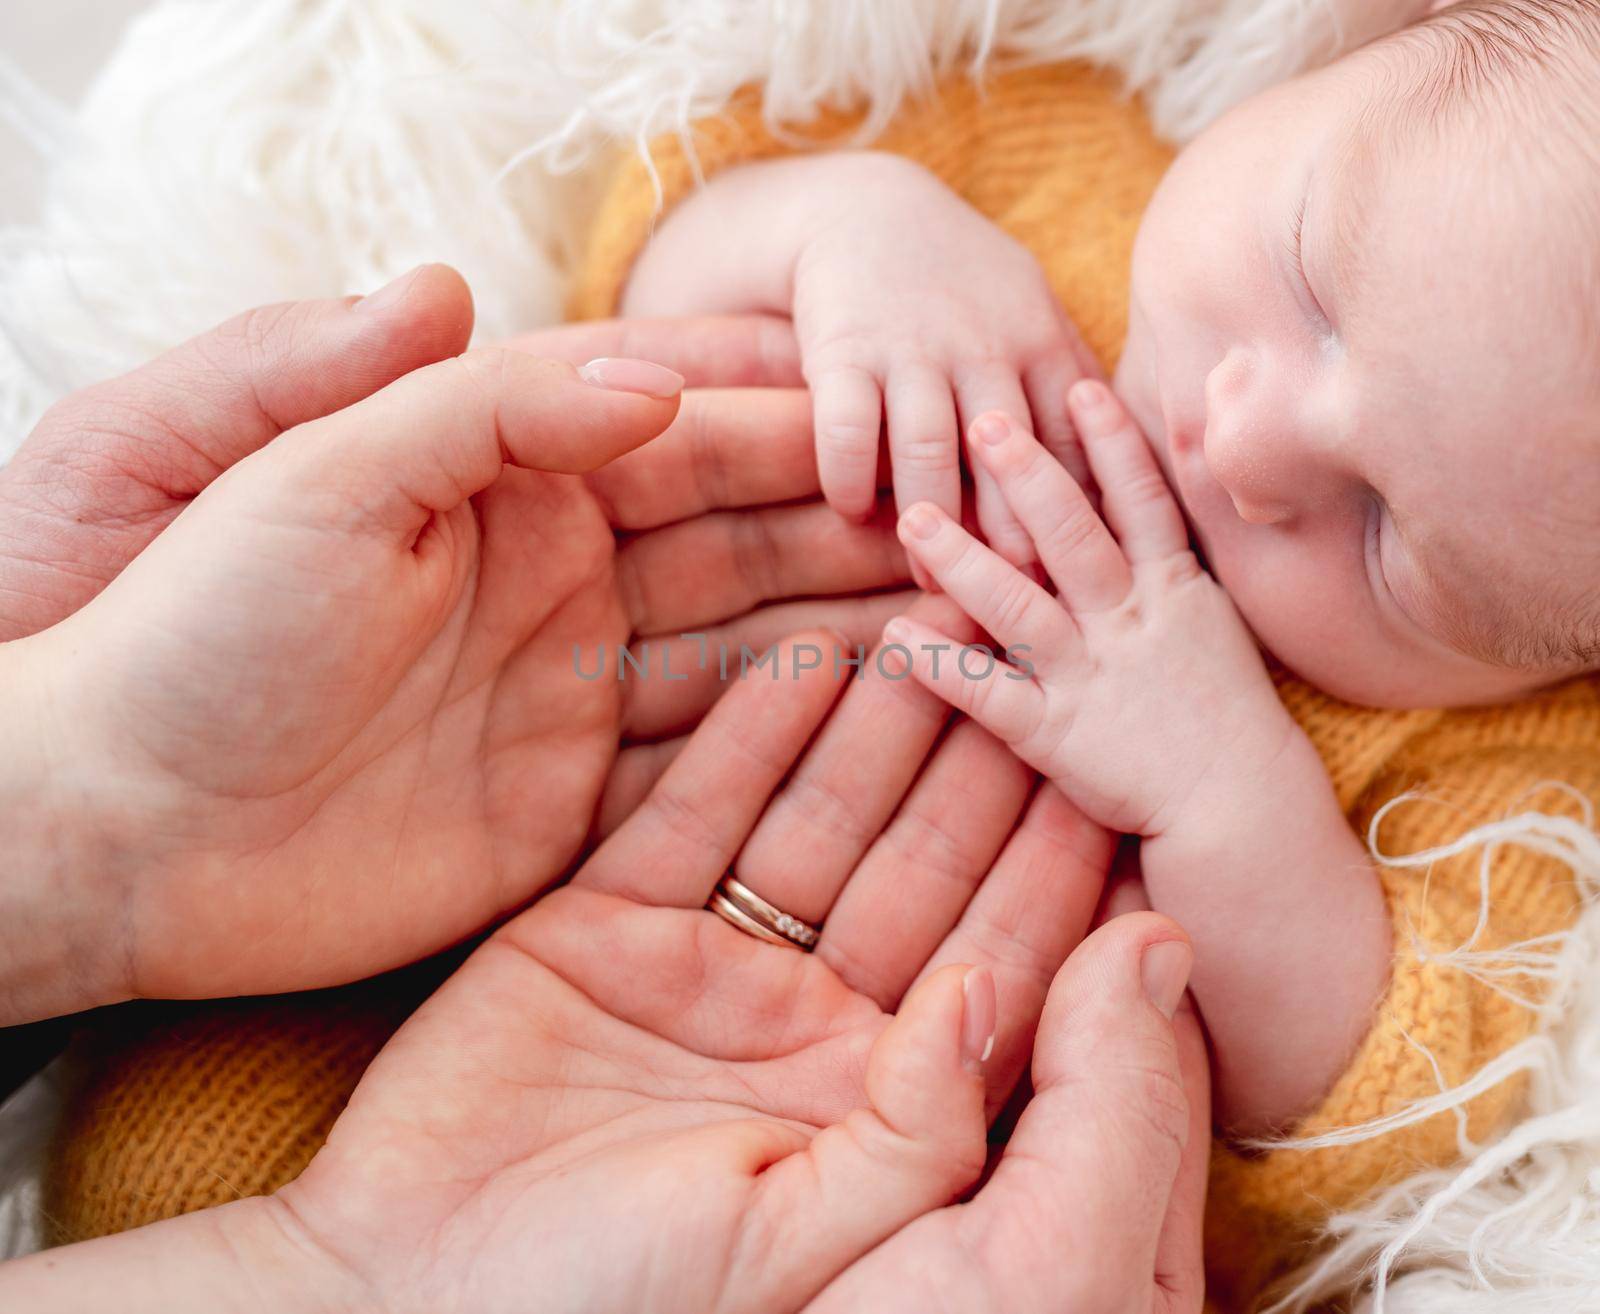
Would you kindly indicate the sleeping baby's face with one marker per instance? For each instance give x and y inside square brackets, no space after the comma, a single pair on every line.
[1365,339]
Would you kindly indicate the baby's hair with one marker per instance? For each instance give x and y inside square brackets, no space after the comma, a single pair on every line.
[1490,43]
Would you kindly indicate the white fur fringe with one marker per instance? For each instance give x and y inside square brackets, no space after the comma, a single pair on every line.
[242,151]
[236,152]
[1515,1227]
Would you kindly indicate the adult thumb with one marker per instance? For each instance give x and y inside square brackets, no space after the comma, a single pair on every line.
[109,467]
[917,1145]
[428,442]
[1108,1160]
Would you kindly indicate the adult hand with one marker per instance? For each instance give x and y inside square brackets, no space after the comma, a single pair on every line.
[549,576]
[109,467]
[1095,1204]
[682,1116]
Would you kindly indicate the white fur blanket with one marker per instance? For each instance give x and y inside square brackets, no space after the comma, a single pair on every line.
[242,151]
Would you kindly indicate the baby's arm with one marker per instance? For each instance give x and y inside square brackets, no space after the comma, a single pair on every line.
[909,307]
[1145,699]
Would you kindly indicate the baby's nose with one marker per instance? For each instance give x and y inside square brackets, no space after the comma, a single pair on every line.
[1246,439]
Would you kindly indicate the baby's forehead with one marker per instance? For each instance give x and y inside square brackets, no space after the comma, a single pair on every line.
[1456,255]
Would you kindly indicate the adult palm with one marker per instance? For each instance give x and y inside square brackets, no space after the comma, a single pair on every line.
[622,1102]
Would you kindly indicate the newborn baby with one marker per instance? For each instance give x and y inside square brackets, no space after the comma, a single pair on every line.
[1362,341]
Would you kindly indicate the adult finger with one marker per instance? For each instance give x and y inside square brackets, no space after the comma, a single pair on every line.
[683,674]
[1041,1236]
[1110,1134]
[919,1142]
[1180,1250]
[702,571]
[110,466]
[633,775]
[849,784]
[909,890]
[428,442]
[727,447]
[684,836]
[710,351]
[1030,912]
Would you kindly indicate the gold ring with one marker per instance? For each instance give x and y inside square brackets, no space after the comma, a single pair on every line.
[738,905]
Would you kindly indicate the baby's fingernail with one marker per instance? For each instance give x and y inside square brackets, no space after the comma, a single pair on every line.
[1091,397]
[978,1015]
[390,294]
[893,659]
[623,374]
[920,522]
[1165,973]
[991,429]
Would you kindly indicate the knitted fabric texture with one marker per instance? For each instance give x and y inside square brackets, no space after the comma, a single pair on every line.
[219,1103]
[185,1106]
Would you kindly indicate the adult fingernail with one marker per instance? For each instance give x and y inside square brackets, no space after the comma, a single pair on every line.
[391,293]
[920,522]
[978,1014]
[1165,973]
[991,429]
[623,374]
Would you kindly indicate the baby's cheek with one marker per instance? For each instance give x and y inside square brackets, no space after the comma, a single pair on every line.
[1304,608]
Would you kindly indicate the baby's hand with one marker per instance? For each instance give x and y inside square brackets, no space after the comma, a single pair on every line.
[915,314]
[1139,689]
[1140,692]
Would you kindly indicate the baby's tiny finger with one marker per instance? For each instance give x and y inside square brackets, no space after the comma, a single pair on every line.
[995,389]
[1140,506]
[1083,559]
[999,697]
[848,408]
[1047,383]
[1003,600]
[1001,528]
[924,440]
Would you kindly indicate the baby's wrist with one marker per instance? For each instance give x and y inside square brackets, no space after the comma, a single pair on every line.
[62,894]
[1290,926]
[1258,757]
